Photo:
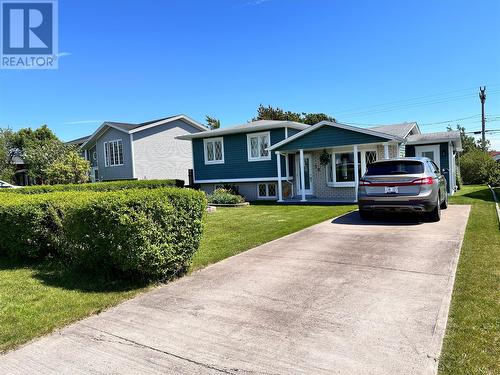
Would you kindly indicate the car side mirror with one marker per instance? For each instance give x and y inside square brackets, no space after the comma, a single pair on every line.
[444,170]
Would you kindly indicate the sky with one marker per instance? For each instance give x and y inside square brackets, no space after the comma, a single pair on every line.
[363,62]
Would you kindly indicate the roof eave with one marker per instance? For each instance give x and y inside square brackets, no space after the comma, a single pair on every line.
[389,137]
[251,128]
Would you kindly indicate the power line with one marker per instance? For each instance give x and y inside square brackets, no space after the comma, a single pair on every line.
[412,105]
[409,99]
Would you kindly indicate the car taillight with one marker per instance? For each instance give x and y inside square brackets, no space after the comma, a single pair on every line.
[364,183]
[423,181]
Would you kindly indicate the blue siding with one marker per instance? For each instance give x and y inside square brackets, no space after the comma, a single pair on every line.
[328,136]
[443,158]
[236,164]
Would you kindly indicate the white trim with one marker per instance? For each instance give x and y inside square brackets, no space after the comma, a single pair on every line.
[257,179]
[334,125]
[434,148]
[356,171]
[249,148]
[302,177]
[210,140]
[187,119]
[287,167]
[451,169]
[99,129]
[267,196]
[106,162]
[286,132]
[280,187]
[386,151]
[132,154]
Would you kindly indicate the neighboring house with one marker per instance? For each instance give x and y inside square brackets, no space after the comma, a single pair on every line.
[21,174]
[279,160]
[142,151]
[495,155]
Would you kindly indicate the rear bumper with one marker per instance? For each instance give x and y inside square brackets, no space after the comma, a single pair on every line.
[418,206]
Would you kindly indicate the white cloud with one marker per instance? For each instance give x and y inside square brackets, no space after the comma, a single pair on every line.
[63,54]
[79,122]
[256,2]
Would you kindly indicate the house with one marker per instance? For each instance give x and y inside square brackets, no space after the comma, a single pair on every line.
[288,161]
[145,151]
[495,155]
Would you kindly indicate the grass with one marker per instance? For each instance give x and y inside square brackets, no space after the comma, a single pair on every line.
[472,340]
[35,299]
[229,231]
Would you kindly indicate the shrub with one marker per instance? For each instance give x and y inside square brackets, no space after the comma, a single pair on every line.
[224,196]
[477,167]
[97,186]
[142,233]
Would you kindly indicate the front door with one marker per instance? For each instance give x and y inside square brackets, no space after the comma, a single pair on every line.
[308,181]
[431,152]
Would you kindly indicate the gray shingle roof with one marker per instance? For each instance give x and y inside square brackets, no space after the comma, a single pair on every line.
[78,141]
[398,130]
[249,126]
[434,137]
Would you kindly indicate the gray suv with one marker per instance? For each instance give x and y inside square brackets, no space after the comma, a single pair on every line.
[403,185]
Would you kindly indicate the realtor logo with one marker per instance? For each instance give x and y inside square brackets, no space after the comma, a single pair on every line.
[29,34]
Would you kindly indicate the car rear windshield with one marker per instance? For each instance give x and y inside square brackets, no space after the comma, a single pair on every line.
[395,167]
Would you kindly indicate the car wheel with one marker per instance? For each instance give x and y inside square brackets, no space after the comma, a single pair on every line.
[365,215]
[435,214]
[444,205]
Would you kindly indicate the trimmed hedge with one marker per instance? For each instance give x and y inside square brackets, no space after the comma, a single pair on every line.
[96,186]
[141,233]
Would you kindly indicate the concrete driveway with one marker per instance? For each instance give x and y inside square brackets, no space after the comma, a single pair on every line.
[341,297]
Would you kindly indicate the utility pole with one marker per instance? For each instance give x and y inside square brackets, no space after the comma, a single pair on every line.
[482,97]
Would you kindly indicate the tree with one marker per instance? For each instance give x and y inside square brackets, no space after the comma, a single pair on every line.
[39,149]
[7,152]
[478,167]
[271,113]
[212,122]
[71,168]
[469,143]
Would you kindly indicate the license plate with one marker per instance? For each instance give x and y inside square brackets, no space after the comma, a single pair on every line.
[391,189]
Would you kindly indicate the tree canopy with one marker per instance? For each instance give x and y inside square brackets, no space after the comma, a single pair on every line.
[40,150]
[271,113]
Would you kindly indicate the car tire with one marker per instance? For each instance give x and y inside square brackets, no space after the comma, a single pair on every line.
[444,205]
[365,215]
[435,215]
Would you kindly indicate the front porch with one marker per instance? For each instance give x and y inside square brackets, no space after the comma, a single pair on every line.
[323,167]
[328,175]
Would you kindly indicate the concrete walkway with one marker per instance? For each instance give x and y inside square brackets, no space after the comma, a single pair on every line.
[341,297]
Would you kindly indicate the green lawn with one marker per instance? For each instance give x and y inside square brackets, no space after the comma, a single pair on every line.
[36,299]
[472,341]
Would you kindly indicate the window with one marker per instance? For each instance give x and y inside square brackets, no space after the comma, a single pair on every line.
[340,169]
[395,167]
[94,155]
[113,153]
[266,190]
[257,144]
[214,150]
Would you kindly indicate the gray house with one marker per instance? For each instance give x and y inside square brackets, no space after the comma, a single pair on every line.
[145,151]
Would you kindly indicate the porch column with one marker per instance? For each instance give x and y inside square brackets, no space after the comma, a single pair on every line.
[356,173]
[287,167]
[386,151]
[302,176]
[280,188]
